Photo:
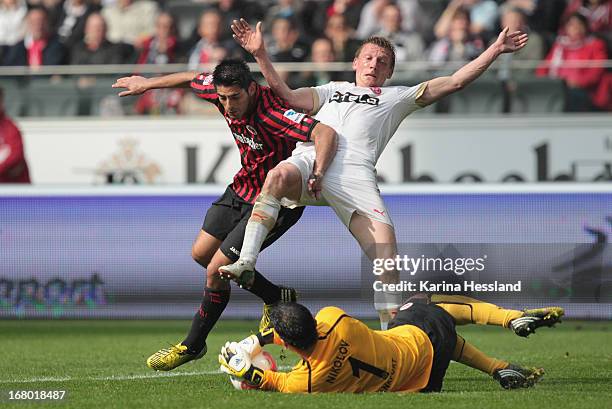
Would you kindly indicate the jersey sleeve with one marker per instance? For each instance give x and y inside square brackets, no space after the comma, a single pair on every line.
[296,381]
[320,94]
[203,87]
[409,97]
[282,122]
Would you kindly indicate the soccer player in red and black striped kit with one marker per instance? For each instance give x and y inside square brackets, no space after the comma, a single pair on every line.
[266,132]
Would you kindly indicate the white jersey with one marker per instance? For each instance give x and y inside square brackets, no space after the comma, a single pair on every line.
[365,119]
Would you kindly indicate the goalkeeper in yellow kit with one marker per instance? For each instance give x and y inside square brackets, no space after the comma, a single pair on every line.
[341,354]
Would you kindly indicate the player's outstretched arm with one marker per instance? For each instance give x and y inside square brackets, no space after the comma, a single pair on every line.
[252,41]
[440,87]
[136,85]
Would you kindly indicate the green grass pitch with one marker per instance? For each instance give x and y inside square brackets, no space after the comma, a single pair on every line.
[101,364]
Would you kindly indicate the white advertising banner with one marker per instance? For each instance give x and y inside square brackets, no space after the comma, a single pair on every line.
[437,149]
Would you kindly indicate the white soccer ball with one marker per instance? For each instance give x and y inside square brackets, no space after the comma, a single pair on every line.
[263,361]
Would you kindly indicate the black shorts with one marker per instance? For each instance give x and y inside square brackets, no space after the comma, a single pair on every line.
[440,328]
[227,218]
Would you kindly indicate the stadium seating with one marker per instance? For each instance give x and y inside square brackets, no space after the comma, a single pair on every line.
[14,98]
[44,97]
[483,96]
[100,99]
[538,96]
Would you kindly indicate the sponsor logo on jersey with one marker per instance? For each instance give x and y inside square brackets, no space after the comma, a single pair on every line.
[294,116]
[349,97]
[233,250]
[376,90]
[251,130]
[248,141]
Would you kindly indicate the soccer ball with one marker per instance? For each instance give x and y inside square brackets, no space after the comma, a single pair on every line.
[263,361]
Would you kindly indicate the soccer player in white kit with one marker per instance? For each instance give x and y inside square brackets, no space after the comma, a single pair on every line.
[365,115]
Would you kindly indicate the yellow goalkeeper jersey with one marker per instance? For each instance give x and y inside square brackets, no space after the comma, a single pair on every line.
[350,357]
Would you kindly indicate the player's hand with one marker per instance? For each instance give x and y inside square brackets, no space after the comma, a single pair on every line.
[315,184]
[512,42]
[236,361]
[134,85]
[250,40]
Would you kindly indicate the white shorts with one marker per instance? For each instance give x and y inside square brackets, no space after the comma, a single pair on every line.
[345,195]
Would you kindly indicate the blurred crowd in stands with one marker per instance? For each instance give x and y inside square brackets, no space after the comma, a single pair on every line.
[78,32]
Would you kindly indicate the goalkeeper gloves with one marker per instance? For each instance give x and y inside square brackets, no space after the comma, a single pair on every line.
[236,361]
[253,344]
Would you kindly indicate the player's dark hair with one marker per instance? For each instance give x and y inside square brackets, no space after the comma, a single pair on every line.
[294,324]
[381,42]
[231,72]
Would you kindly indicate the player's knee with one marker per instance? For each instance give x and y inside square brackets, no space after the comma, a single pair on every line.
[212,274]
[199,256]
[277,180]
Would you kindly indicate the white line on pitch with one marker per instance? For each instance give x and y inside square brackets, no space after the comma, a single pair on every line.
[118,377]
[109,378]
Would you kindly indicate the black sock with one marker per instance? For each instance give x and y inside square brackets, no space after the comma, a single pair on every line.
[204,320]
[264,289]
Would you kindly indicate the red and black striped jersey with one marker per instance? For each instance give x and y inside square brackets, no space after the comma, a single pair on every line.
[265,137]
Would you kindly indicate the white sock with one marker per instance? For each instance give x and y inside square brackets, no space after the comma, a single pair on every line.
[387,300]
[384,303]
[262,220]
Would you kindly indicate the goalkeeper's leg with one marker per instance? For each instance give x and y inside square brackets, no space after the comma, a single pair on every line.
[471,356]
[466,310]
[510,376]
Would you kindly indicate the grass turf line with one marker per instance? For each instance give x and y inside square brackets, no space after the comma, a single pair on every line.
[101,365]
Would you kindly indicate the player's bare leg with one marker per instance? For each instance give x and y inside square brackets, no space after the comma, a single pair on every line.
[284,181]
[377,240]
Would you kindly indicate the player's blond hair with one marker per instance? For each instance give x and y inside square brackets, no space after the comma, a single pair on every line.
[381,42]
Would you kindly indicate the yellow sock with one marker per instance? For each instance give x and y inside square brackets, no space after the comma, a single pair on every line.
[471,356]
[466,310]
